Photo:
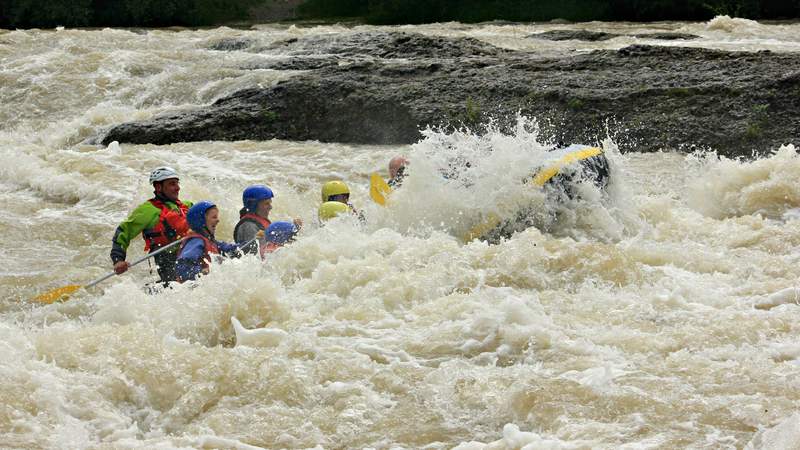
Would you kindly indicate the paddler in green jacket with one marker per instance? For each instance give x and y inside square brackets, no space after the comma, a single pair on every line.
[161,220]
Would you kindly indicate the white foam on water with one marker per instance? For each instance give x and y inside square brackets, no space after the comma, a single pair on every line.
[514,438]
[734,25]
[257,337]
[783,436]
[659,314]
[727,188]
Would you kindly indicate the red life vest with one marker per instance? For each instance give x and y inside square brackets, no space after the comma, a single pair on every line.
[269,248]
[262,223]
[209,248]
[170,227]
[252,217]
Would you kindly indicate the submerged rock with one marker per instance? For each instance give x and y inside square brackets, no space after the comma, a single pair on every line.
[667,36]
[230,44]
[574,35]
[386,86]
[593,36]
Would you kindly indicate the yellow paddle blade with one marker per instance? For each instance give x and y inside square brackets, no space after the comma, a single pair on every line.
[482,228]
[378,189]
[55,295]
[544,175]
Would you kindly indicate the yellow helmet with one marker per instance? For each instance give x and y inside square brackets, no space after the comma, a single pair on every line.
[334,188]
[329,210]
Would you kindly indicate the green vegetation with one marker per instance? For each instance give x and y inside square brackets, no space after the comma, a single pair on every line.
[760,110]
[155,13]
[269,116]
[759,120]
[121,13]
[575,104]
[679,92]
[423,11]
[472,112]
[753,131]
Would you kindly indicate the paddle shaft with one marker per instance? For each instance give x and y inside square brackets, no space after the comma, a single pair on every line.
[247,243]
[142,259]
[148,256]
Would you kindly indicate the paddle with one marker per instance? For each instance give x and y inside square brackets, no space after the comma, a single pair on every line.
[63,293]
[378,189]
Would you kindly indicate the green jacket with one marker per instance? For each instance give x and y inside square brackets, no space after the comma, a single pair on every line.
[141,219]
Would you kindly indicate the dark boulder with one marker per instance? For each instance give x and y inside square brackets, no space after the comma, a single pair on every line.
[666,36]
[384,45]
[594,36]
[648,97]
[230,44]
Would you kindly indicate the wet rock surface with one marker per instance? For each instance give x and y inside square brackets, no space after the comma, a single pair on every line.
[304,63]
[666,36]
[577,35]
[384,87]
[231,44]
[593,36]
[386,46]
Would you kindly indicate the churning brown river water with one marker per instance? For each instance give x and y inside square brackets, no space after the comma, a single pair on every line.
[662,315]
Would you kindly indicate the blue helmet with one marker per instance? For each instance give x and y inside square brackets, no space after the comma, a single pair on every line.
[197,215]
[281,232]
[254,194]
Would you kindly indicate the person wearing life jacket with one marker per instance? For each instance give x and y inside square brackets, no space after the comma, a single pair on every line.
[329,210]
[198,247]
[337,191]
[397,171]
[560,179]
[254,217]
[161,221]
[575,163]
[279,234]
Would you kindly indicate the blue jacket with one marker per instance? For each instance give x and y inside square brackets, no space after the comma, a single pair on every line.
[192,256]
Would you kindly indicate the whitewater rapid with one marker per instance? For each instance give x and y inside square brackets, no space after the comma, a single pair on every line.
[661,314]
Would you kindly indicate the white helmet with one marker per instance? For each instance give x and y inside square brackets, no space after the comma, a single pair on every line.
[162,173]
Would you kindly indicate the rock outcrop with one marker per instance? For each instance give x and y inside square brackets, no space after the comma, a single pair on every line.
[382,88]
